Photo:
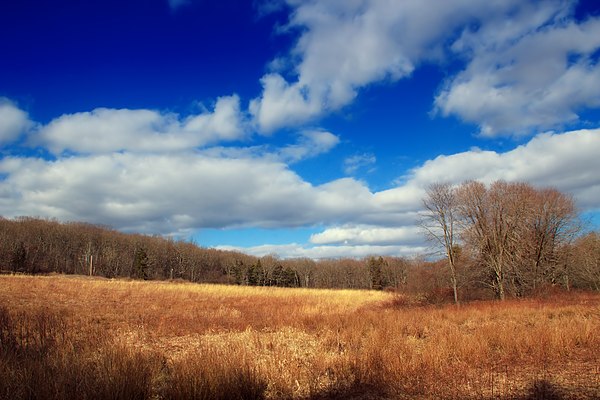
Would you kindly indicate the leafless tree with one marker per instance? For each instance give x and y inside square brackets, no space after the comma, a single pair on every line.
[586,260]
[440,223]
[551,225]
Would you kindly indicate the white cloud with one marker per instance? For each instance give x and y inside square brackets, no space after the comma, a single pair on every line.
[165,193]
[283,104]
[140,170]
[567,161]
[13,121]
[150,191]
[519,82]
[346,45]
[353,163]
[295,250]
[225,123]
[311,143]
[368,235]
[529,64]
[107,130]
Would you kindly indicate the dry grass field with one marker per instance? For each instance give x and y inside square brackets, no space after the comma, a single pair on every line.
[75,337]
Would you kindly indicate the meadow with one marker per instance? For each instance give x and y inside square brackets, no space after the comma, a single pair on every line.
[64,337]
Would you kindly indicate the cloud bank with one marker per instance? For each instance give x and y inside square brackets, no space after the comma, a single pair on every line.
[147,187]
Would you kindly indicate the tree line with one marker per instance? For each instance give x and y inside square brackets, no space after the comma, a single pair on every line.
[34,245]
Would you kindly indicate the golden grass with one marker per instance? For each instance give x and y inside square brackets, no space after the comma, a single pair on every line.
[181,340]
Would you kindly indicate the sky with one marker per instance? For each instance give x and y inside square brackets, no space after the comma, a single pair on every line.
[288,127]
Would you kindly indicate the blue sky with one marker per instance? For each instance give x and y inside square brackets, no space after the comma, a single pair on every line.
[301,128]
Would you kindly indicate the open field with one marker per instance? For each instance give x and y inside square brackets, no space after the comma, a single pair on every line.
[75,337]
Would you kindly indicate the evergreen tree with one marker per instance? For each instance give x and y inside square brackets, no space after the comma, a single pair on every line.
[278,276]
[238,272]
[290,278]
[19,258]
[252,274]
[140,263]
[376,272]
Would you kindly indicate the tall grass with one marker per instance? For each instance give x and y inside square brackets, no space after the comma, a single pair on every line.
[87,338]
[207,373]
[44,357]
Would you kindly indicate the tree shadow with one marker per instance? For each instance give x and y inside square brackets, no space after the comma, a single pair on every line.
[539,390]
[543,389]
[352,392]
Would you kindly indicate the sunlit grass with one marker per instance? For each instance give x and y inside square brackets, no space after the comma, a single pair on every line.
[181,340]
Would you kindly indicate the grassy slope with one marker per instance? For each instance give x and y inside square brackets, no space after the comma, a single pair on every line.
[130,339]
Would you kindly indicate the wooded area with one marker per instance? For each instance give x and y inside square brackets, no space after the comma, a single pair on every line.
[33,245]
[508,239]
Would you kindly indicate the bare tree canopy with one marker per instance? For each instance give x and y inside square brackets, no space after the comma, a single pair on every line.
[514,231]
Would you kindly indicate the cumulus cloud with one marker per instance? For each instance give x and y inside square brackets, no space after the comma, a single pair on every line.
[106,130]
[163,193]
[566,161]
[225,123]
[345,45]
[13,121]
[368,235]
[141,170]
[382,220]
[528,65]
[283,104]
[517,83]
[311,143]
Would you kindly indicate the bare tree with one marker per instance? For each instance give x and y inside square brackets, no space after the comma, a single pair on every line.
[586,260]
[493,221]
[440,222]
[394,271]
[551,225]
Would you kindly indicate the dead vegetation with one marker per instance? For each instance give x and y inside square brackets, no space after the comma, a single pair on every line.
[73,337]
